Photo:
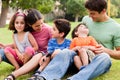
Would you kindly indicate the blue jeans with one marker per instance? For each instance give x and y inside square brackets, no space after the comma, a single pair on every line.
[100,64]
[2,55]
[58,66]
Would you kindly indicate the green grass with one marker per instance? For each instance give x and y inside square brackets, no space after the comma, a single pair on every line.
[5,69]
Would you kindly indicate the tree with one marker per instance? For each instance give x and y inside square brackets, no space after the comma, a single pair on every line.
[113,11]
[76,7]
[45,6]
[116,5]
[4,11]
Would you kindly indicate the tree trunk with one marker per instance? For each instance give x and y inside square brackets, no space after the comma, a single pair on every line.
[4,11]
[76,18]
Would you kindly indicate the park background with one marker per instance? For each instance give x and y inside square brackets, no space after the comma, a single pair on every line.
[52,9]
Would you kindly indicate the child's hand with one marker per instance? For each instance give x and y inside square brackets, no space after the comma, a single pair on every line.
[2,45]
[21,57]
[76,48]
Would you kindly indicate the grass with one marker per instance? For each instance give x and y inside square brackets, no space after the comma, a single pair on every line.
[5,69]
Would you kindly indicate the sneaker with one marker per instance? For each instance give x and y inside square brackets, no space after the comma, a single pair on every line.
[34,76]
[40,78]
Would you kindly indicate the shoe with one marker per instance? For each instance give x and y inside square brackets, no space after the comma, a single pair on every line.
[39,78]
[10,77]
[34,76]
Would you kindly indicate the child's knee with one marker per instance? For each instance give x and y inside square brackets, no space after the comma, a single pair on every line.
[7,49]
[30,50]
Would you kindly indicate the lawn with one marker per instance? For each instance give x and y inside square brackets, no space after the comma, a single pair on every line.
[5,68]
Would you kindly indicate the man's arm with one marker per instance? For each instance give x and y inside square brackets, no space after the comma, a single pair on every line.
[113,53]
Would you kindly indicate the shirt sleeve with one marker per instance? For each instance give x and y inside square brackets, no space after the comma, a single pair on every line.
[72,45]
[50,48]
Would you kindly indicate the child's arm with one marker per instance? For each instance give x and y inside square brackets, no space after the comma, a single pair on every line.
[8,45]
[51,46]
[33,41]
[2,45]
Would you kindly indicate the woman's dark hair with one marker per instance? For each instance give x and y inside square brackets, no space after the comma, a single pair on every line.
[12,21]
[96,5]
[33,15]
[76,29]
[63,25]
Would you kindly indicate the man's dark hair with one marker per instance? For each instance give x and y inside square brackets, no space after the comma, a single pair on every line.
[96,5]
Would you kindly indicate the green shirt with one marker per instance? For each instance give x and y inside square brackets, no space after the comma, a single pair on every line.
[107,33]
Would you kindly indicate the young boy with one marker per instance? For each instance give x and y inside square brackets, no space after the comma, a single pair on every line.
[83,44]
[58,42]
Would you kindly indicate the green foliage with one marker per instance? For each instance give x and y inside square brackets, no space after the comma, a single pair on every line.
[115,7]
[76,7]
[113,11]
[5,3]
[45,6]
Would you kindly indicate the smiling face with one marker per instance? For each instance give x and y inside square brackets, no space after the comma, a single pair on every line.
[82,29]
[96,16]
[37,25]
[19,23]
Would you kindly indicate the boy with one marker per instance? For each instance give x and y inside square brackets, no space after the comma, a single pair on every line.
[58,42]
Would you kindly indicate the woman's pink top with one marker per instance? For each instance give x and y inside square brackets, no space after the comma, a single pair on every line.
[42,37]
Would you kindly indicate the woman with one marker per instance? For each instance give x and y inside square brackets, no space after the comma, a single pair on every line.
[42,34]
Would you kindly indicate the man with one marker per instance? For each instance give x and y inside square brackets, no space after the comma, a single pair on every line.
[105,30]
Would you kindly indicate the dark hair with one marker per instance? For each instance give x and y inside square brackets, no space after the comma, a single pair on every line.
[76,29]
[96,5]
[33,15]
[12,21]
[63,25]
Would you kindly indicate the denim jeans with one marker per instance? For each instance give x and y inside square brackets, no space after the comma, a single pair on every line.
[2,55]
[100,64]
[58,66]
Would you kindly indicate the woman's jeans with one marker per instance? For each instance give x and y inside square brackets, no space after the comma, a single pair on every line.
[58,66]
[2,56]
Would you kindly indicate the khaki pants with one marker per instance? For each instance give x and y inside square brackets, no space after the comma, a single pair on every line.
[91,55]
